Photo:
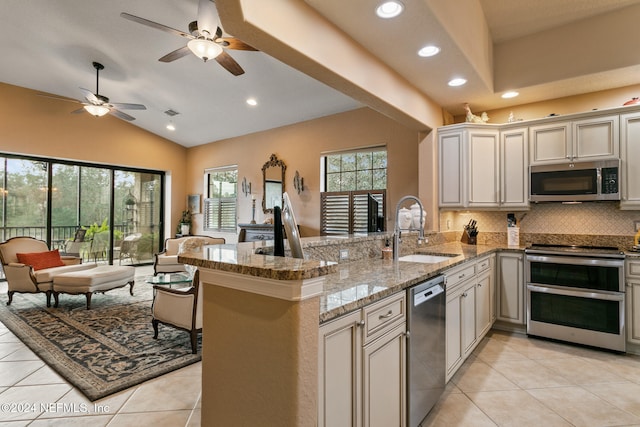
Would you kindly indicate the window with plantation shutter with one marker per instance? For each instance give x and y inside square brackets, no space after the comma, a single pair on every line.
[220,203]
[348,178]
[346,212]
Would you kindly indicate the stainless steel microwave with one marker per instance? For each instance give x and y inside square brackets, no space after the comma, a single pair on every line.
[575,182]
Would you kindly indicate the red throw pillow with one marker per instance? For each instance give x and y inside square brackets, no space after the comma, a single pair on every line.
[41,260]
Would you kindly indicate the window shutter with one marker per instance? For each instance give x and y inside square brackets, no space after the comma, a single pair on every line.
[220,214]
[334,216]
[345,212]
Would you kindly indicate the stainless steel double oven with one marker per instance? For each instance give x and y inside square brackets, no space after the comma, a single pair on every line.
[576,294]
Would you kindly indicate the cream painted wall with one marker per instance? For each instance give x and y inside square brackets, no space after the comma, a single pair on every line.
[568,105]
[34,125]
[300,147]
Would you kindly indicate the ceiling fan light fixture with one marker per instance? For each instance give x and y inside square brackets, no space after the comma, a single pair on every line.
[96,110]
[204,49]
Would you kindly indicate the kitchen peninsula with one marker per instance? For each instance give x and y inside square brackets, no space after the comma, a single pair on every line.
[262,316]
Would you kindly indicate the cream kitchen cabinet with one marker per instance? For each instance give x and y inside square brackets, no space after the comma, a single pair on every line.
[340,372]
[510,288]
[469,167]
[633,299]
[484,296]
[514,168]
[469,310]
[594,138]
[362,366]
[630,161]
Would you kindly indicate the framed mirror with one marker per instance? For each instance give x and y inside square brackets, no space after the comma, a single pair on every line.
[273,183]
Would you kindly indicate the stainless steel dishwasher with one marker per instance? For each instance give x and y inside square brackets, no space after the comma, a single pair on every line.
[426,364]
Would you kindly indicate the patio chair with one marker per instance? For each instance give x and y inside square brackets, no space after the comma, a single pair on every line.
[129,248]
[179,308]
[30,266]
[73,247]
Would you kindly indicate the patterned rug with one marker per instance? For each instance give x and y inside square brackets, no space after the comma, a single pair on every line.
[103,350]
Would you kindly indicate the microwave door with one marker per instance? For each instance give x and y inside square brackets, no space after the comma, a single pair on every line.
[566,185]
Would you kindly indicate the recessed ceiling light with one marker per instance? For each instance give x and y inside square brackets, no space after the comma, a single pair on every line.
[511,94]
[429,51]
[389,9]
[171,127]
[457,82]
[252,101]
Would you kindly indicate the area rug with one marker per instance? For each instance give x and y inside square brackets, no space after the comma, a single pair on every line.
[103,350]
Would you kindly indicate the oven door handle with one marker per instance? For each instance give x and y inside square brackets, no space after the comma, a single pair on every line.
[609,296]
[604,262]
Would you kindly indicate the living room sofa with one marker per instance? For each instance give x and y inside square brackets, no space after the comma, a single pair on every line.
[30,266]
[167,260]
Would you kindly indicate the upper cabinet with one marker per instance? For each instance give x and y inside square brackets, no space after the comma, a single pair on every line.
[595,138]
[630,161]
[481,167]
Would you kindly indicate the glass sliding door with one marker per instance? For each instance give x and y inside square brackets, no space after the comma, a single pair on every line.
[137,213]
[24,198]
[65,209]
[95,211]
[119,211]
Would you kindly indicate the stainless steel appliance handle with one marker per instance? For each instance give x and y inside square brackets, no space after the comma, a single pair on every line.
[576,260]
[608,296]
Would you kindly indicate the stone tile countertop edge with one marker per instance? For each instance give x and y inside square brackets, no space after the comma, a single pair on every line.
[361,283]
[241,258]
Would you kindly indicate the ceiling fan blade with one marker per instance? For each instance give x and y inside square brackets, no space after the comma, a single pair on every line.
[59,98]
[155,25]
[90,96]
[176,54]
[208,20]
[234,43]
[229,64]
[121,115]
[126,106]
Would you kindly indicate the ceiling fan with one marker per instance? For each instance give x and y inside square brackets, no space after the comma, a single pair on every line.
[205,38]
[99,105]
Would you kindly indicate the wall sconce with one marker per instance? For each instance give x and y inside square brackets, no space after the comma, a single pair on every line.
[298,183]
[246,187]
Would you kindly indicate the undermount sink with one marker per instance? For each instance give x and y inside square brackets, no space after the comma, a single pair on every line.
[425,259]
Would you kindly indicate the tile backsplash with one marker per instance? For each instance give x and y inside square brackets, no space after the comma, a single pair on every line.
[592,219]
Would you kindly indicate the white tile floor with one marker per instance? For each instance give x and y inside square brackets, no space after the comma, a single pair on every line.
[513,380]
[510,380]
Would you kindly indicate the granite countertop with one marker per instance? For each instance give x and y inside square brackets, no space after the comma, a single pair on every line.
[347,286]
[241,258]
[357,284]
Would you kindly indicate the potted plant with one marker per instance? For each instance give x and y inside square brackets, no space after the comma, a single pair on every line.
[184,224]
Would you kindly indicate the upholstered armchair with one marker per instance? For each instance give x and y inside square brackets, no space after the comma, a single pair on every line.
[30,266]
[179,308]
[167,260]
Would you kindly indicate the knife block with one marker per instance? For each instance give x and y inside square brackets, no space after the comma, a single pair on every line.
[469,240]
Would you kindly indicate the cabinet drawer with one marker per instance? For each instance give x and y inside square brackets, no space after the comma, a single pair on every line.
[483,264]
[458,275]
[633,268]
[383,315]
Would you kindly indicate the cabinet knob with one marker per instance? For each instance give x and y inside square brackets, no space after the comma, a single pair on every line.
[465,294]
[461,276]
[407,334]
[360,324]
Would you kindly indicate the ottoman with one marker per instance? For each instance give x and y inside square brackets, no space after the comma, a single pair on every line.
[102,278]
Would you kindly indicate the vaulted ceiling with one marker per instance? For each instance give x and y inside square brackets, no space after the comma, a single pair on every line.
[543,49]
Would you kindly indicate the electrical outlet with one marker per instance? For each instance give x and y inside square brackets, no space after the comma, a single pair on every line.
[344,254]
